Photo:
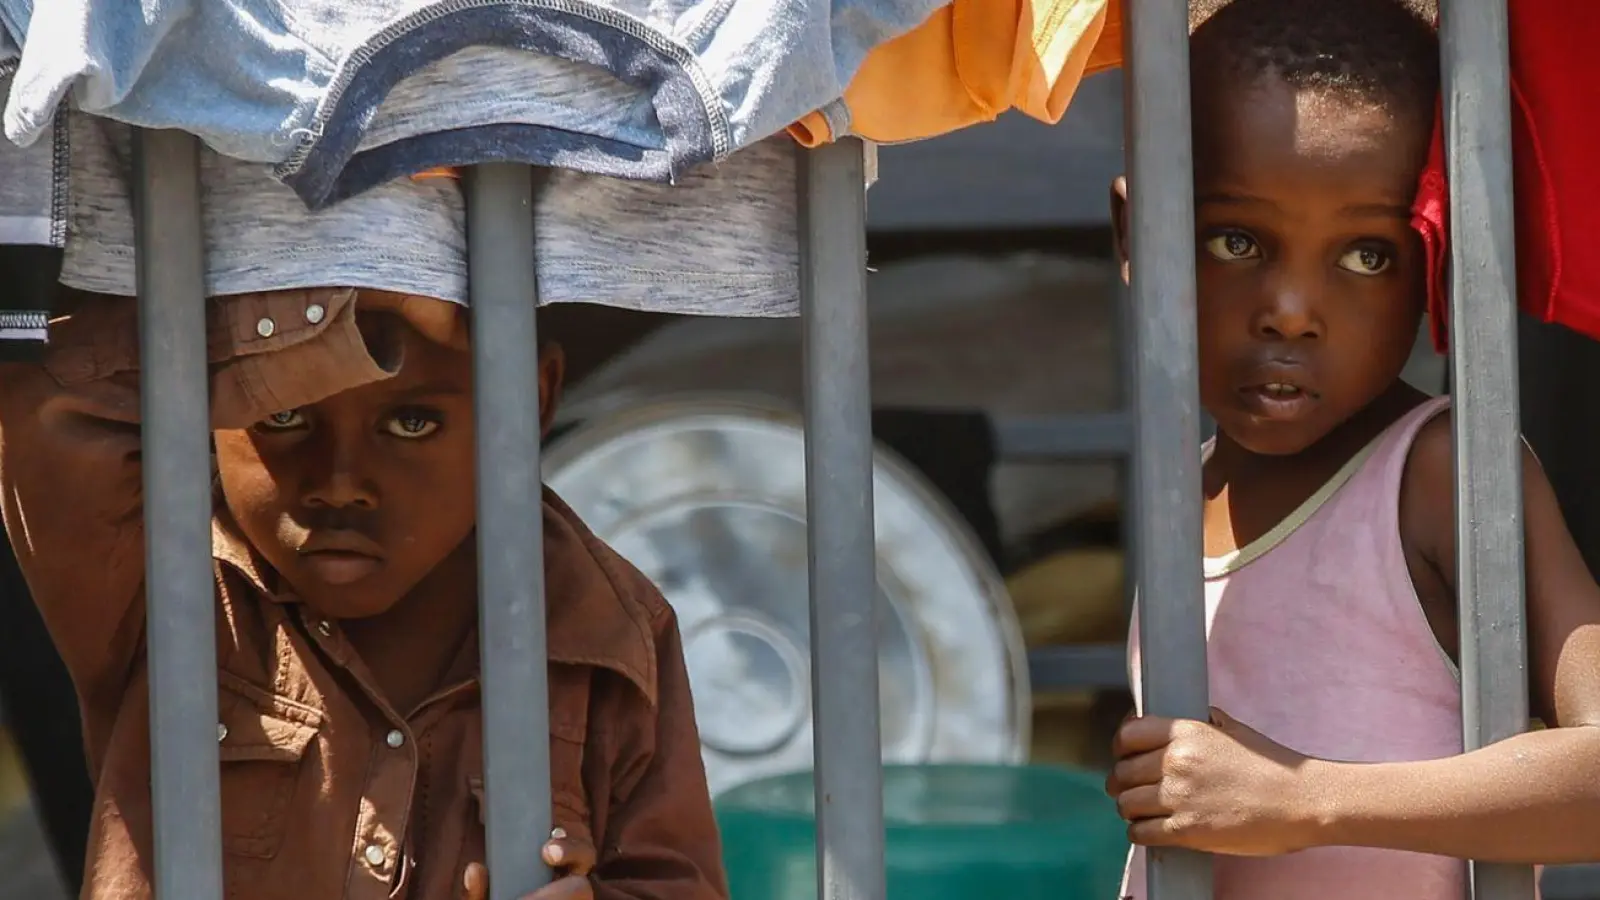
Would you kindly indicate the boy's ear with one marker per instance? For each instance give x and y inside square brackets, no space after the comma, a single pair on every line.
[1119,224]
[552,374]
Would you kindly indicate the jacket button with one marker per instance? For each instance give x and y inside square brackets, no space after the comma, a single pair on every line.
[222,732]
[315,313]
[375,855]
[265,327]
[395,739]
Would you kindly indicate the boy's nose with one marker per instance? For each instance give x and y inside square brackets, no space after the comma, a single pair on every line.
[339,489]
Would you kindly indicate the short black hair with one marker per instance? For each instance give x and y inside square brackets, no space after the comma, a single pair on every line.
[1383,51]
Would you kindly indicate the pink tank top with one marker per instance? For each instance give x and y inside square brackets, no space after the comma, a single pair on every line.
[1315,637]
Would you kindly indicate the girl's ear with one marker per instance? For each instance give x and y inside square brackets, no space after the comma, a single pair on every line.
[1119,224]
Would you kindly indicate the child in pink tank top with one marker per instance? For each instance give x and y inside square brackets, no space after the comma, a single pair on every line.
[1333,764]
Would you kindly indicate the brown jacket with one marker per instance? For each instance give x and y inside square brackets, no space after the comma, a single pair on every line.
[327,790]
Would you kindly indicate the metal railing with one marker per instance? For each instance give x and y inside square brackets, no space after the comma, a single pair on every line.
[1166,424]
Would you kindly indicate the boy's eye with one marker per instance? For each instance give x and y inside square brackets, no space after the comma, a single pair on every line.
[1365,261]
[411,425]
[1233,246]
[287,420]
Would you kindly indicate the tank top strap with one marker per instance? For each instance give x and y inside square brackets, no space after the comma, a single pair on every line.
[1387,463]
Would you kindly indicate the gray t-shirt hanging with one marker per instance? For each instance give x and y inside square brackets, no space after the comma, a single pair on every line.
[722,242]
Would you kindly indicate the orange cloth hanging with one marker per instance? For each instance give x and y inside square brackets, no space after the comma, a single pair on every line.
[972,61]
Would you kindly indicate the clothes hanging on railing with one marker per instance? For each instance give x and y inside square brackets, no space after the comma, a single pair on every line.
[1430,219]
[722,242]
[972,61]
[1554,72]
[308,102]
[1557,202]
[342,97]
[33,228]
[33,189]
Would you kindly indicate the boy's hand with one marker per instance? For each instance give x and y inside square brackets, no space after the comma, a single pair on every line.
[1219,787]
[573,860]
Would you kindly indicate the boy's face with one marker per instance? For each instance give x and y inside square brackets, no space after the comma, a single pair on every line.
[1310,278]
[354,500]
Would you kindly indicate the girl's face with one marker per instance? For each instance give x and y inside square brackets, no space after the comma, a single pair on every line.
[1310,278]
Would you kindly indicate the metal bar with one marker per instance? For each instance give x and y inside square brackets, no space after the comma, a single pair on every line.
[843,576]
[1166,377]
[180,594]
[1080,436]
[511,610]
[1127,489]
[1078,666]
[1483,336]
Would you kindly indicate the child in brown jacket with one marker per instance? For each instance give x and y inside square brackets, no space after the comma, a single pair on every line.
[347,647]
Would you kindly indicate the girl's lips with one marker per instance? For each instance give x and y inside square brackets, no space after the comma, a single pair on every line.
[1278,401]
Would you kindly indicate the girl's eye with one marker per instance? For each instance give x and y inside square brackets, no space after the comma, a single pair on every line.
[1233,246]
[411,426]
[1365,261]
[287,420]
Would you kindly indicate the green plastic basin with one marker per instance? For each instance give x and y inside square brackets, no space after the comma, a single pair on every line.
[953,832]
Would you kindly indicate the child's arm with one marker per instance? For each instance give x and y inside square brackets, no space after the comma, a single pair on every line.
[1534,797]
[1531,799]
[70,479]
[662,841]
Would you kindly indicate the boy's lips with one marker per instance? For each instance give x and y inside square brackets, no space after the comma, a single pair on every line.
[340,567]
[341,557]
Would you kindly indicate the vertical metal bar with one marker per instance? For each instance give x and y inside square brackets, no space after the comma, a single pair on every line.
[1127,488]
[1483,335]
[844,645]
[180,593]
[511,611]
[1166,378]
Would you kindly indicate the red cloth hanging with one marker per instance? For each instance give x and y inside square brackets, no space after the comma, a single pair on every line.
[1555,79]
[1430,216]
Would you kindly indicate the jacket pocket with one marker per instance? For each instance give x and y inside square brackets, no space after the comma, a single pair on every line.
[262,743]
